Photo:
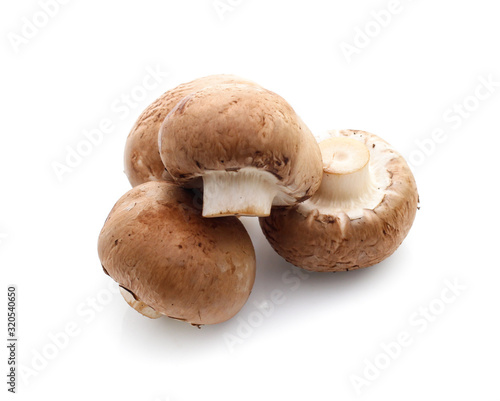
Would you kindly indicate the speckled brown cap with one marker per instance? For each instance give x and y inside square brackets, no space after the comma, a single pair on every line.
[173,262]
[241,129]
[142,158]
[319,240]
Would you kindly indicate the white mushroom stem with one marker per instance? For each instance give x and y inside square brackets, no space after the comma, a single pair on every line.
[246,192]
[347,183]
[139,306]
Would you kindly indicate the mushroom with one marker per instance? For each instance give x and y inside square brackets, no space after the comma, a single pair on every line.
[142,158]
[169,260]
[360,215]
[246,144]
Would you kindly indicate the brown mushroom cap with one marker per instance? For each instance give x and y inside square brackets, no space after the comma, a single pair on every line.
[142,158]
[317,236]
[248,142]
[173,262]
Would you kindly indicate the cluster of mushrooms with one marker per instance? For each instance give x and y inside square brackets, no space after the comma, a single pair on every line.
[220,147]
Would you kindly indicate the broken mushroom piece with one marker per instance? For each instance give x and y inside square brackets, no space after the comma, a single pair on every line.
[139,306]
[142,158]
[169,260]
[248,146]
[360,215]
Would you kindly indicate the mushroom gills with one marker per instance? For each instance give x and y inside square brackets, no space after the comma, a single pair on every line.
[350,183]
[245,192]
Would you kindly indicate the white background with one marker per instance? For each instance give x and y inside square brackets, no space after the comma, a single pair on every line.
[402,85]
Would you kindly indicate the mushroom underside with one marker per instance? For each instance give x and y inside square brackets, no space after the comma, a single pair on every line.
[357,218]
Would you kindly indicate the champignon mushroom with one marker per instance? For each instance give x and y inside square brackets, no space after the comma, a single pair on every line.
[169,260]
[247,144]
[360,215]
[142,158]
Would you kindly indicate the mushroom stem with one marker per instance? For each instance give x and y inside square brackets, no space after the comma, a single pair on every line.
[246,192]
[346,174]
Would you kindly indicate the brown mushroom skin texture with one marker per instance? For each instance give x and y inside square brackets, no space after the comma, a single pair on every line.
[334,242]
[156,245]
[142,158]
[229,127]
